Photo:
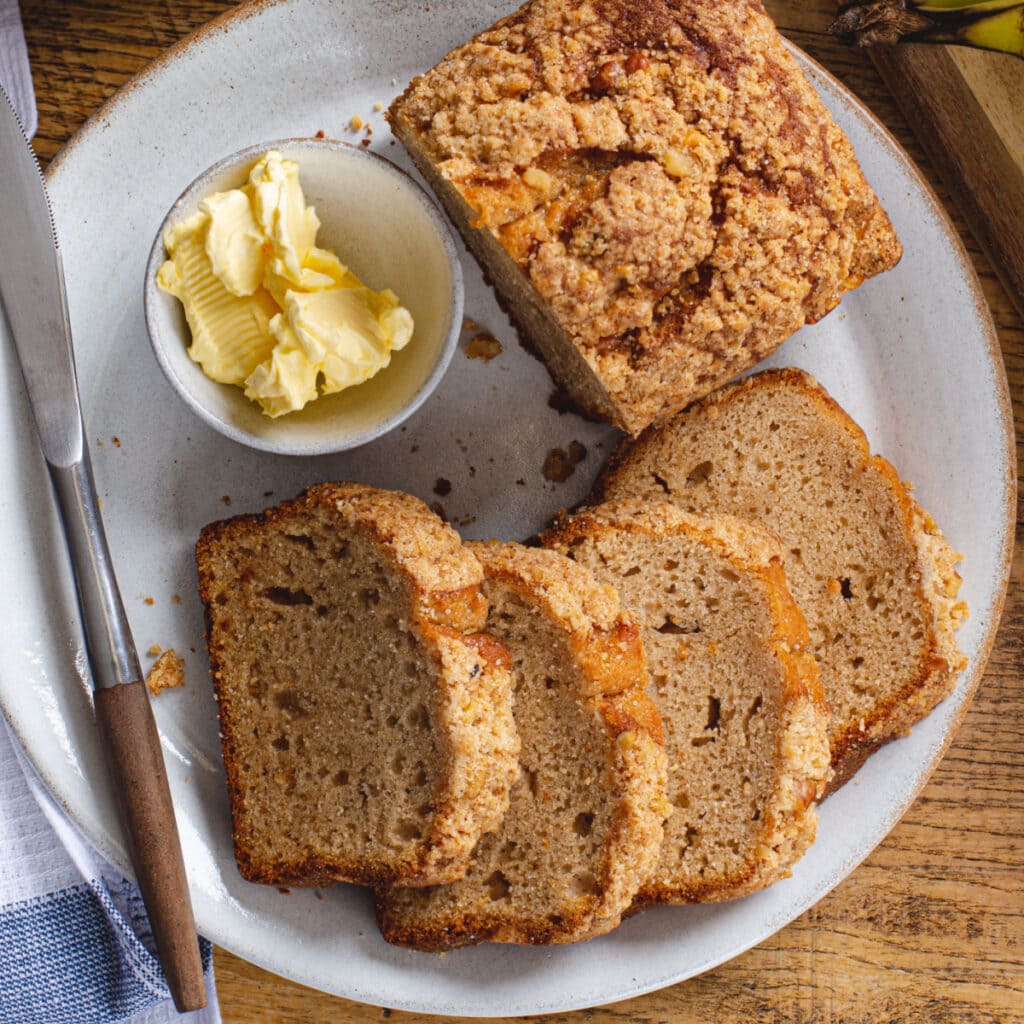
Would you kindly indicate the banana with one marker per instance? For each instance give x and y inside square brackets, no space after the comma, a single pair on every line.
[929,6]
[986,24]
[1001,31]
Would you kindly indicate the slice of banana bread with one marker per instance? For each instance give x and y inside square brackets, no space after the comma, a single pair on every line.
[656,191]
[366,724]
[867,565]
[744,716]
[585,823]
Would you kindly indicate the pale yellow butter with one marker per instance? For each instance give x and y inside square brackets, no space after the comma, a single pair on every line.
[267,308]
[234,242]
[281,211]
[230,333]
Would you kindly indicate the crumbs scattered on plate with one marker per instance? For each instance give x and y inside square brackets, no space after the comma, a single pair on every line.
[168,671]
[560,464]
[483,346]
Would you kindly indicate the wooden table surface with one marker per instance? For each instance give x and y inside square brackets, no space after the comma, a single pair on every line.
[931,927]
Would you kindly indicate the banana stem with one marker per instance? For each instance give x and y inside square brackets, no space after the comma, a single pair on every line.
[986,24]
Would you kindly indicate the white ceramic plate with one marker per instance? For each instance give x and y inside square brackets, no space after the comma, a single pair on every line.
[912,356]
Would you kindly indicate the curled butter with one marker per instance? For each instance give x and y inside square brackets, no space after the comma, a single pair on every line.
[268,310]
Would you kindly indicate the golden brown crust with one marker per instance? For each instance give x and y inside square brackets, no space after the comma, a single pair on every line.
[802,759]
[472,701]
[480,748]
[671,189]
[932,573]
[447,578]
[607,643]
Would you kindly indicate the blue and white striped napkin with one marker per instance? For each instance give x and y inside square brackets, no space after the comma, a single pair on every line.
[75,942]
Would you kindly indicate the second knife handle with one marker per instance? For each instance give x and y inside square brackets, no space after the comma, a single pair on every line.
[136,765]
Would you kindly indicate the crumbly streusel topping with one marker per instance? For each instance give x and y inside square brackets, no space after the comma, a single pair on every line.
[663,173]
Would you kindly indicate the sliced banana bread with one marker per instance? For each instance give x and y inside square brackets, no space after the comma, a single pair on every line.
[657,192]
[584,826]
[744,716]
[366,724]
[867,565]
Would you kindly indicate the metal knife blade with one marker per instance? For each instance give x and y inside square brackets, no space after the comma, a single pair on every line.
[15,73]
[33,297]
[32,294]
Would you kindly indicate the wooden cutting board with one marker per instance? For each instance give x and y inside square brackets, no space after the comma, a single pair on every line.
[967,109]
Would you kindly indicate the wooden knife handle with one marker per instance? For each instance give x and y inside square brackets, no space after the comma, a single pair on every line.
[137,768]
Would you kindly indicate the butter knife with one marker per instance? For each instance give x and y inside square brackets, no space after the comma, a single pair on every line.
[33,297]
[15,73]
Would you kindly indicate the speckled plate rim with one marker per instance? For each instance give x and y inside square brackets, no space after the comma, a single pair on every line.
[969,681]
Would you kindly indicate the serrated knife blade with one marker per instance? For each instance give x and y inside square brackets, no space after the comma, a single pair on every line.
[33,298]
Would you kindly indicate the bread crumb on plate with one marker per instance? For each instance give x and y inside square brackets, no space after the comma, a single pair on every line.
[168,671]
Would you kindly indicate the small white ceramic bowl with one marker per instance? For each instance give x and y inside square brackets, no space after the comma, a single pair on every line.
[383,226]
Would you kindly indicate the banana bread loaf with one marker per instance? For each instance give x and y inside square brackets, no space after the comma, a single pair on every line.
[657,193]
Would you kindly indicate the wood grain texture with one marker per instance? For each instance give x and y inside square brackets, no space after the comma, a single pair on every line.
[955,96]
[930,929]
[999,85]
